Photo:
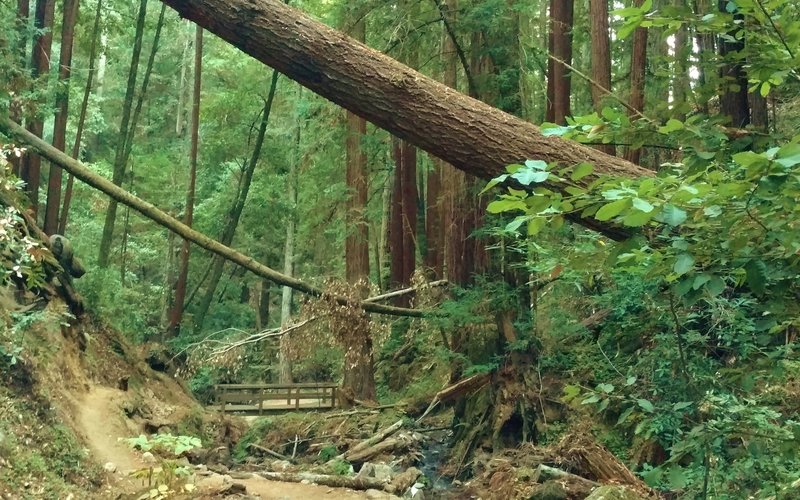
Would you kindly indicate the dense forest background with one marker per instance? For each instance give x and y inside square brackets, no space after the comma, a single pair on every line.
[671,334]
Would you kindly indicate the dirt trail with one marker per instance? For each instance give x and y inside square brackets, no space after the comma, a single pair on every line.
[102,422]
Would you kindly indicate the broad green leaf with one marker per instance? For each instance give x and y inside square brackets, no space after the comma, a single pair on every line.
[646,405]
[765,88]
[716,286]
[581,171]
[672,215]
[642,205]
[554,130]
[529,176]
[492,183]
[788,155]
[516,223]
[630,381]
[700,280]
[611,210]
[676,477]
[535,225]
[500,206]
[607,388]
[536,164]
[671,126]
[681,405]
[625,415]
[637,218]
[683,264]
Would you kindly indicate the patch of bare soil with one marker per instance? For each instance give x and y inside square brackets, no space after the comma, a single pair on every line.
[102,423]
[275,490]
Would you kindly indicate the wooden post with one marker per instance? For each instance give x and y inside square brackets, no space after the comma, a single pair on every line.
[261,401]
[289,396]
[333,397]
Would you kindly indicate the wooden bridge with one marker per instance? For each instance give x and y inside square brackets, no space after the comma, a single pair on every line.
[260,398]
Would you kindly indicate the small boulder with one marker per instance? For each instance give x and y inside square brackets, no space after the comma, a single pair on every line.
[550,490]
[110,467]
[379,472]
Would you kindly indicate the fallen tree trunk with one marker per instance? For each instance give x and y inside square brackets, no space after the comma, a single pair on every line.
[401,442]
[76,168]
[470,135]
[354,483]
[372,441]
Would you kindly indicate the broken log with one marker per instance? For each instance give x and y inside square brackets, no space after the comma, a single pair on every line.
[403,481]
[372,441]
[354,483]
[12,130]
[471,135]
[269,452]
[401,442]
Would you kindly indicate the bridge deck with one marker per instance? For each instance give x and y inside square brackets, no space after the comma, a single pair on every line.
[261,398]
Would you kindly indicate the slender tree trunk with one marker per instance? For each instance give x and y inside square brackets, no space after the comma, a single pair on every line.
[62,106]
[87,92]
[170,279]
[561,17]
[119,165]
[471,135]
[601,58]
[235,213]
[383,241]
[705,49]
[262,307]
[183,275]
[179,112]
[23,18]
[680,81]
[137,110]
[31,163]
[284,360]
[638,67]
[733,101]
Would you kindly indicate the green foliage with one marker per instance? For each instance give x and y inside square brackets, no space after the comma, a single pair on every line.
[166,475]
[341,467]
[164,444]
[254,434]
[328,452]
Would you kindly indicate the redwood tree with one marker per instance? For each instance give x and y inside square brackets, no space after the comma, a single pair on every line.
[638,67]
[601,58]
[62,106]
[733,101]
[559,82]
[32,163]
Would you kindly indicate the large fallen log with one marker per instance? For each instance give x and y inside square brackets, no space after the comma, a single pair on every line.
[470,135]
[80,171]
[401,442]
[355,483]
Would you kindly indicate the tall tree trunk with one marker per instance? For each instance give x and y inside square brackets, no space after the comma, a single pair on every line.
[733,100]
[284,360]
[87,92]
[638,67]
[705,49]
[137,110]
[359,374]
[179,112]
[680,80]
[119,165]
[559,93]
[23,18]
[357,241]
[183,274]
[31,163]
[235,212]
[62,107]
[262,306]
[601,59]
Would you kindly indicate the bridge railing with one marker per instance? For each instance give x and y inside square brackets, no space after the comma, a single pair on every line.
[252,398]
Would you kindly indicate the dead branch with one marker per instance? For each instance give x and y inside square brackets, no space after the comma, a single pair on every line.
[355,483]
[377,438]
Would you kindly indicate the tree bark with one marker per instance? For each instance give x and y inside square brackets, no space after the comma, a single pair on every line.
[119,166]
[284,360]
[558,102]
[32,164]
[183,274]
[733,101]
[680,80]
[357,240]
[62,108]
[235,212]
[15,131]
[638,67]
[472,136]
[601,59]
[23,17]
[87,92]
